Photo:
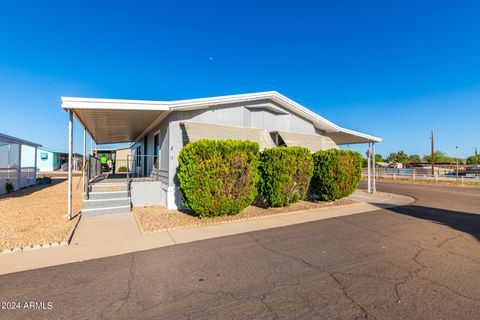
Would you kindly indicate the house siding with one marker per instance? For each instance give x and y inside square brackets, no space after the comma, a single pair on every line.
[244,115]
[264,114]
[159,189]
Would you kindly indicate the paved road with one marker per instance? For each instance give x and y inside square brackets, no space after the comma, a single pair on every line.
[420,261]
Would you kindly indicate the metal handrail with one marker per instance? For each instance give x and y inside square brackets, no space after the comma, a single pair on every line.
[92,160]
[133,160]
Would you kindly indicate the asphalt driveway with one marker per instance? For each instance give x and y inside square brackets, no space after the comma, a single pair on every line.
[420,261]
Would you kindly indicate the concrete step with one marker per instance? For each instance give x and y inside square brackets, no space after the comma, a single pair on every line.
[112,184]
[106,203]
[110,187]
[96,195]
[105,211]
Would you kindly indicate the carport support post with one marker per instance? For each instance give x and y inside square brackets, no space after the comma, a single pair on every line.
[70,149]
[369,175]
[374,186]
[19,176]
[84,156]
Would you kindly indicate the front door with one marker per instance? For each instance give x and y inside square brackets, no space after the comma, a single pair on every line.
[145,153]
[156,151]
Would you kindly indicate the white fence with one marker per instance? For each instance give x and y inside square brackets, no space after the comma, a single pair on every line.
[423,174]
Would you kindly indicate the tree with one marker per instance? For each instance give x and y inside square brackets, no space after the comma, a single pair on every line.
[471,159]
[398,157]
[438,156]
[414,158]
[378,158]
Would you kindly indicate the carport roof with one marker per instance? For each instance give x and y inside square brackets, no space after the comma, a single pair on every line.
[117,120]
[10,139]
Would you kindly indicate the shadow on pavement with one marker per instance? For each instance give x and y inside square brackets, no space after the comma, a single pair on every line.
[462,221]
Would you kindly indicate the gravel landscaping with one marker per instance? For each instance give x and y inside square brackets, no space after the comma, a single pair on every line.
[157,218]
[34,215]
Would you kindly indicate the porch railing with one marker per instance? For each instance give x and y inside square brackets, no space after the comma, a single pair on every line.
[145,166]
[94,170]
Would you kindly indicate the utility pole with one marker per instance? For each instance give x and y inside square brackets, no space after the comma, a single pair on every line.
[456,149]
[476,162]
[433,154]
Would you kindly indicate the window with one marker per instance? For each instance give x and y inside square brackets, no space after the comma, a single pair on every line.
[43,155]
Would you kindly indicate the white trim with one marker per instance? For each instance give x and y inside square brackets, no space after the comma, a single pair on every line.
[113,104]
[170,198]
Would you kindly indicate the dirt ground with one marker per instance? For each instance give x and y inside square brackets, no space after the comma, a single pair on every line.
[34,215]
[157,218]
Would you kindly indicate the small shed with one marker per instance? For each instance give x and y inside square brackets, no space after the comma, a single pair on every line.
[17,163]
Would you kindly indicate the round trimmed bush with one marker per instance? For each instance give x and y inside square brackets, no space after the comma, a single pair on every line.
[336,173]
[218,177]
[285,175]
[122,169]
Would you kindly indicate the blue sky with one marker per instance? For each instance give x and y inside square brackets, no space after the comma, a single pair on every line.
[391,69]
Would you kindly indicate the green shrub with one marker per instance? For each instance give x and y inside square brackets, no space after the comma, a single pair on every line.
[218,177]
[285,175]
[336,173]
[8,187]
[122,169]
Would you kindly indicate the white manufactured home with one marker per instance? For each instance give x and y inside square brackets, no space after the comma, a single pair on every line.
[158,130]
[18,165]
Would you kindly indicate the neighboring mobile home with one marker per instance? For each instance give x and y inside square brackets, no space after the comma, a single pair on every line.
[158,130]
[17,162]
[51,160]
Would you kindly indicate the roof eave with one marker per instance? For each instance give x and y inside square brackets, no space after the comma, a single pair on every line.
[19,141]
[72,103]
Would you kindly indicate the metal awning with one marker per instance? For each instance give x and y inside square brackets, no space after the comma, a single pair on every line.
[196,131]
[348,138]
[6,139]
[115,126]
[120,120]
[115,121]
[309,141]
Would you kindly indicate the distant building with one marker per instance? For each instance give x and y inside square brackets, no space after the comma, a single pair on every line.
[117,158]
[51,160]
